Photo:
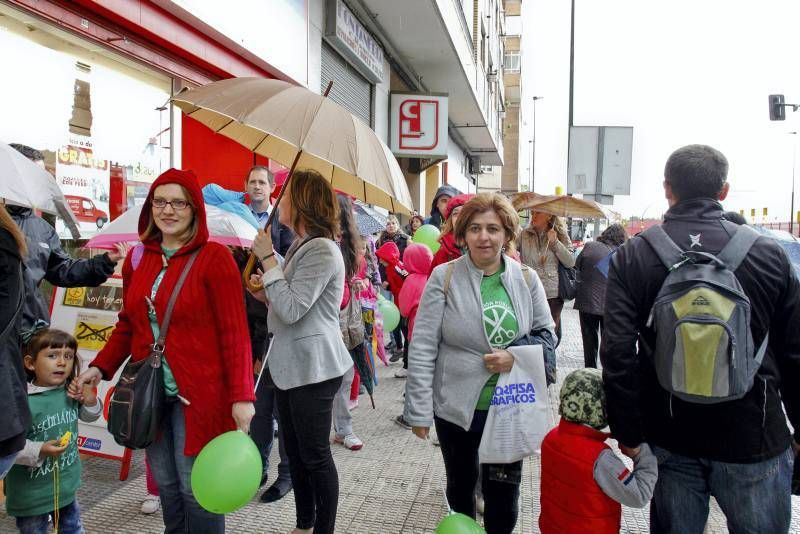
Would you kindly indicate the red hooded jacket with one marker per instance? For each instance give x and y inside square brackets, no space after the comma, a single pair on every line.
[396,271]
[417,260]
[208,345]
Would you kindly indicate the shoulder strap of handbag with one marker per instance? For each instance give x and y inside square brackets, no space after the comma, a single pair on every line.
[162,334]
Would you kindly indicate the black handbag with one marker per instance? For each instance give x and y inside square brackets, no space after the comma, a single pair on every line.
[137,405]
[567,282]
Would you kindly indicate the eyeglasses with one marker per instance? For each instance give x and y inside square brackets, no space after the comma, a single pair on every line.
[177,205]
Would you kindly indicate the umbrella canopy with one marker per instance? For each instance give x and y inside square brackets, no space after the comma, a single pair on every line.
[299,128]
[789,243]
[559,205]
[223,227]
[368,220]
[25,183]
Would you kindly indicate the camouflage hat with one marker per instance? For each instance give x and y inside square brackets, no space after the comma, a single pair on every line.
[583,400]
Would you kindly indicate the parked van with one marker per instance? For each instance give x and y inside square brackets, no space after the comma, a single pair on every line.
[85,210]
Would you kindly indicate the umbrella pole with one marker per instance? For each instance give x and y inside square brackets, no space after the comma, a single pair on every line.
[251,261]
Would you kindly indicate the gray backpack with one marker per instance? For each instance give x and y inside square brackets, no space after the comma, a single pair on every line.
[704,349]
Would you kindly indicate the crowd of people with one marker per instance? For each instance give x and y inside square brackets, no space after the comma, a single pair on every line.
[694,323]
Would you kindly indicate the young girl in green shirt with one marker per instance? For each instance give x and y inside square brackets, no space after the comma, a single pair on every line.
[47,473]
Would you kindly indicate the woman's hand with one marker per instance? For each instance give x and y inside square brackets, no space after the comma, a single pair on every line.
[500,361]
[552,236]
[262,244]
[255,280]
[242,413]
[421,432]
[120,251]
[90,377]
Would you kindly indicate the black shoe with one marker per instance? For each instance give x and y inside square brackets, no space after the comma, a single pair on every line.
[264,477]
[400,420]
[396,356]
[275,493]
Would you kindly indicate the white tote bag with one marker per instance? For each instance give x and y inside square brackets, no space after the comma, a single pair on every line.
[518,417]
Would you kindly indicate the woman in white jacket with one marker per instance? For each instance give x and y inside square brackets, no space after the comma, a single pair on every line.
[472,309]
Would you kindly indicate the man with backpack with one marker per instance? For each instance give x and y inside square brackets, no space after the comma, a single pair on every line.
[699,357]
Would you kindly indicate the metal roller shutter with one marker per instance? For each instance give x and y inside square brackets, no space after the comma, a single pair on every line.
[350,89]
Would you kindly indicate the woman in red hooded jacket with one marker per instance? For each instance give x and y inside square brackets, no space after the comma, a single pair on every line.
[208,372]
[449,250]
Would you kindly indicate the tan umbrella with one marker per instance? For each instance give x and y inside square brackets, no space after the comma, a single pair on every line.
[559,205]
[304,130]
[301,130]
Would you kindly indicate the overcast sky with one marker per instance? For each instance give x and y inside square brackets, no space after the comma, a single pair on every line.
[679,72]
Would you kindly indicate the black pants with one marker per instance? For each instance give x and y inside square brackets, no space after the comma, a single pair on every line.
[556,306]
[399,334]
[591,327]
[500,482]
[262,429]
[305,418]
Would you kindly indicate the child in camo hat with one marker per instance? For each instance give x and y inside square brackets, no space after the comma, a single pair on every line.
[583,481]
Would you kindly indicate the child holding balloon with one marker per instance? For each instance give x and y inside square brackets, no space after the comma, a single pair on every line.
[47,473]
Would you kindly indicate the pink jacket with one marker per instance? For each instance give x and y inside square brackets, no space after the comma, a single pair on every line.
[417,260]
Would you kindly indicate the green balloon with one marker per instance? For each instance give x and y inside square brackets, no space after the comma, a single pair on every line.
[390,313]
[459,524]
[427,235]
[226,473]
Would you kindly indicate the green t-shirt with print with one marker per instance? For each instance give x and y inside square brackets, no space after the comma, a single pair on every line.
[31,490]
[170,386]
[500,324]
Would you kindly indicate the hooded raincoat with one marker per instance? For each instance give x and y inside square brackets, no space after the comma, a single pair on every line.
[207,346]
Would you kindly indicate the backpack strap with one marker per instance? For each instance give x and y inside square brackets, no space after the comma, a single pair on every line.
[665,248]
[737,248]
[448,275]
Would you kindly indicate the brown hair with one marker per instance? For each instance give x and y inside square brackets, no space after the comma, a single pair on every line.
[482,203]
[314,204]
[153,233]
[52,338]
[8,224]
[270,176]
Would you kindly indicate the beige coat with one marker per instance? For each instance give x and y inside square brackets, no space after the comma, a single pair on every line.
[535,253]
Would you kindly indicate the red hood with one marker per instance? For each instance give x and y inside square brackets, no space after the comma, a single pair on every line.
[389,253]
[456,201]
[417,259]
[188,180]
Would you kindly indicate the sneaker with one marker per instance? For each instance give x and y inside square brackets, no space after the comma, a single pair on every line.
[480,505]
[400,420]
[350,441]
[401,373]
[396,356]
[435,441]
[151,504]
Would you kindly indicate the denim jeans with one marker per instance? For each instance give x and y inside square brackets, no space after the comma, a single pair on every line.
[173,473]
[262,429]
[754,497]
[342,418]
[6,462]
[499,482]
[306,426]
[69,521]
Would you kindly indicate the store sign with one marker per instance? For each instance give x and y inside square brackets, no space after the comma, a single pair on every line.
[85,182]
[418,125]
[345,33]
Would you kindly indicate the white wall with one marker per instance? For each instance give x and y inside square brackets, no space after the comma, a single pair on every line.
[316,28]
[380,103]
[456,168]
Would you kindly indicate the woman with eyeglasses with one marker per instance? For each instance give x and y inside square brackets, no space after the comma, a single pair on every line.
[208,371]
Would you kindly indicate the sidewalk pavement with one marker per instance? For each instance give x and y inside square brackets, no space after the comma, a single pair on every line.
[395,484]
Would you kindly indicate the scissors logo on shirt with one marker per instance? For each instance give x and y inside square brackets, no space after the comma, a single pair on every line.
[496,318]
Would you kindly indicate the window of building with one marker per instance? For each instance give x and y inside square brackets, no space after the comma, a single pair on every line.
[511,61]
[513,25]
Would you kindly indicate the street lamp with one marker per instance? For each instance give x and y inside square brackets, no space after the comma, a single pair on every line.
[533,143]
[794,158]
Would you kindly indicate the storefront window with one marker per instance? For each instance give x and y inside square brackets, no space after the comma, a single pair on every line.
[102,122]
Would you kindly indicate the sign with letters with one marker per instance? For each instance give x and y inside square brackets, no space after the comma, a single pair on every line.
[418,125]
[349,37]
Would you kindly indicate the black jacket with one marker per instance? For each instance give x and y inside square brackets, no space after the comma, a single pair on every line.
[747,430]
[591,295]
[46,260]
[15,418]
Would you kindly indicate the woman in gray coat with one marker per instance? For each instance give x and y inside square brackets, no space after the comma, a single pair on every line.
[472,309]
[308,357]
[591,298]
